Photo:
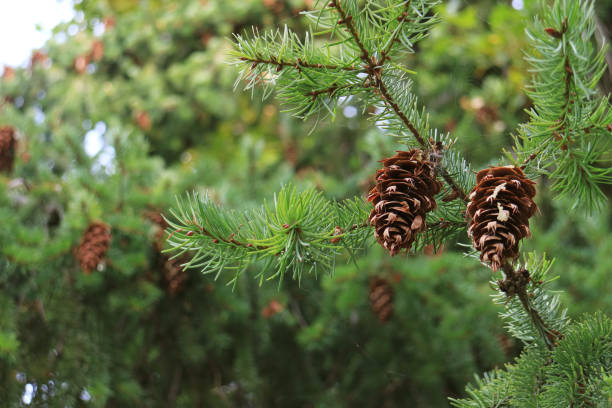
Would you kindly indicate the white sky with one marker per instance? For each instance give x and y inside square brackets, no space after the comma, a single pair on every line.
[18,21]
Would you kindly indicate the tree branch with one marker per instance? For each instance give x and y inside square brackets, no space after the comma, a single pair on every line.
[348,22]
[296,64]
[515,283]
[403,18]
[374,69]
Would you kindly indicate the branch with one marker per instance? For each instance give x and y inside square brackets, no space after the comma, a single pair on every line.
[536,308]
[374,69]
[347,20]
[296,64]
[566,136]
[515,283]
[403,18]
[445,175]
[299,232]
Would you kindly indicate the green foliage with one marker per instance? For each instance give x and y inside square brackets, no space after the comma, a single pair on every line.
[574,374]
[160,100]
[542,301]
[567,136]
[297,233]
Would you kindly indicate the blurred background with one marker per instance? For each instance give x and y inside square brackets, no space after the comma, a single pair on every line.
[120,105]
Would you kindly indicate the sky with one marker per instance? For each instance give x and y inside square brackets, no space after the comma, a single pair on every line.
[18,26]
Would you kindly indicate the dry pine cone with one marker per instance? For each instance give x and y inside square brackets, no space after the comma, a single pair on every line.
[8,144]
[499,210]
[403,195]
[381,298]
[94,245]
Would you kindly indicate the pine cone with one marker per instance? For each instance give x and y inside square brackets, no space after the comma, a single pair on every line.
[94,245]
[8,145]
[381,298]
[499,210]
[173,275]
[403,195]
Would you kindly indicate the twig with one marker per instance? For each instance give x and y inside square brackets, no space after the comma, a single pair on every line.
[229,240]
[374,69]
[330,90]
[402,19]
[443,172]
[298,63]
[347,20]
[515,283]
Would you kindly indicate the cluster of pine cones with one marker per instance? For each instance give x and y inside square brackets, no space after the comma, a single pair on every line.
[498,210]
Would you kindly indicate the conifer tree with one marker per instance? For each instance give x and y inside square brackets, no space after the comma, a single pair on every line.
[354,50]
[131,103]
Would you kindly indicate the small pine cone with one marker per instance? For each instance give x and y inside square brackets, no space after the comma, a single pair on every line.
[499,210]
[381,298]
[403,195]
[8,145]
[94,245]
[173,275]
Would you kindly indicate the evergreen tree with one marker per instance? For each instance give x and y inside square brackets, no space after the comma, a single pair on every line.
[132,103]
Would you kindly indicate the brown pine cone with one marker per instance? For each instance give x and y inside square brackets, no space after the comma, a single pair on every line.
[381,298]
[173,275]
[499,210]
[8,145]
[94,245]
[403,195]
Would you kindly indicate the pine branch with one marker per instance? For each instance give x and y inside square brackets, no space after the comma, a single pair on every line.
[536,317]
[403,105]
[298,232]
[492,390]
[574,374]
[581,365]
[374,70]
[393,39]
[532,313]
[567,137]
[305,91]
[298,64]
[347,20]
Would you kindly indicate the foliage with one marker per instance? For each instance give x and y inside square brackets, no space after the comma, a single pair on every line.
[294,233]
[158,103]
[568,139]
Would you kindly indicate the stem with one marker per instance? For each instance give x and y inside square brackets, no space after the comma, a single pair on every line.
[374,68]
[443,172]
[403,18]
[296,64]
[516,284]
[348,22]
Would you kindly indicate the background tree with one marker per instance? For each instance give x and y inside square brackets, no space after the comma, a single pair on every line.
[130,104]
